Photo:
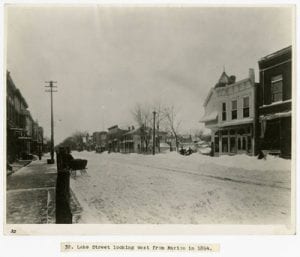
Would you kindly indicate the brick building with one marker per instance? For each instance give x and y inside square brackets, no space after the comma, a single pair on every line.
[22,133]
[275,102]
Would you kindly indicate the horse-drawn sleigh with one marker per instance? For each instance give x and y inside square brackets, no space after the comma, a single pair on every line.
[77,165]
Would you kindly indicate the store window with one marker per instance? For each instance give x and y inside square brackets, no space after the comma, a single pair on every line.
[244,143]
[216,144]
[234,110]
[246,107]
[223,111]
[276,88]
[249,147]
[232,145]
[232,132]
[225,144]
[239,143]
[224,132]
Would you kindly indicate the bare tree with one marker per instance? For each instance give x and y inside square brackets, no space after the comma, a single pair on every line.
[197,133]
[142,116]
[160,117]
[172,122]
[78,138]
[75,141]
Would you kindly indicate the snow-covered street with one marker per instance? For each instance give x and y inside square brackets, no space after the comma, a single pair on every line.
[174,189]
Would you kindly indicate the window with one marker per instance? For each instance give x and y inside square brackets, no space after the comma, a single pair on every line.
[244,143]
[246,107]
[224,132]
[249,147]
[276,88]
[234,110]
[232,145]
[223,111]
[216,144]
[225,144]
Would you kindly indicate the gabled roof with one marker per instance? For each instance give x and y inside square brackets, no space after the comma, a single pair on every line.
[224,78]
[208,97]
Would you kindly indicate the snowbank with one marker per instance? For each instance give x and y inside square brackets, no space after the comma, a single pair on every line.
[241,161]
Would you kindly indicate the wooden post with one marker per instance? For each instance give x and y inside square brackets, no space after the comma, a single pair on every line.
[63,210]
[153,139]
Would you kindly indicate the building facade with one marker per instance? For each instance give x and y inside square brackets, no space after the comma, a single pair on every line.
[100,140]
[21,131]
[114,138]
[132,141]
[140,140]
[275,102]
[16,112]
[231,116]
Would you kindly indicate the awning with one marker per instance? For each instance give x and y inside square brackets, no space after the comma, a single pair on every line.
[275,115]
[24,138]
[17,129]
[209,117]
[236,122]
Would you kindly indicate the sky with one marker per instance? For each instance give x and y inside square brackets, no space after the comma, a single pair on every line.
[107,59]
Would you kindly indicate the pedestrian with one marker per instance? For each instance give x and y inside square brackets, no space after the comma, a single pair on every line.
[212,149]
[261,155]
[181,151]
[189,151]
[68,156]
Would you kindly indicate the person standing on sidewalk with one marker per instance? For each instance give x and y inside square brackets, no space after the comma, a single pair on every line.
[40,153]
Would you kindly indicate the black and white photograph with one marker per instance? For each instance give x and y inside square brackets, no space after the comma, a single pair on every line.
[149,115]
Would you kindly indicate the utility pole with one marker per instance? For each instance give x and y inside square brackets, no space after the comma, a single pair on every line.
[51,86]
[153,148]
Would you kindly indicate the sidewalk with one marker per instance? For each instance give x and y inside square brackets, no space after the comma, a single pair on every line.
[30,194]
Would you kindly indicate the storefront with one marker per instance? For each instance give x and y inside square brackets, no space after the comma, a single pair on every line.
[234,140]
[275,133]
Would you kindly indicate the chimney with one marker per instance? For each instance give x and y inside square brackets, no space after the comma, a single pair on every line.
[232,79]
[252,75]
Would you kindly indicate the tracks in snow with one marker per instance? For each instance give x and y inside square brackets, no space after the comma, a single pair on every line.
[246,181]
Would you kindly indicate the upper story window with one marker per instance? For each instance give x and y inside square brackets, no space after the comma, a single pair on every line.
[246,107]
[234,110]
[276,88]
[223,111]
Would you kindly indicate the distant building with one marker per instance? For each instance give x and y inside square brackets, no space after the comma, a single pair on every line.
[114,138]
[35,135]
[100,140]
[275,102]
[140,140]
[170,140]
[40,142]
[29,131]
[230,114]
[132,141]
